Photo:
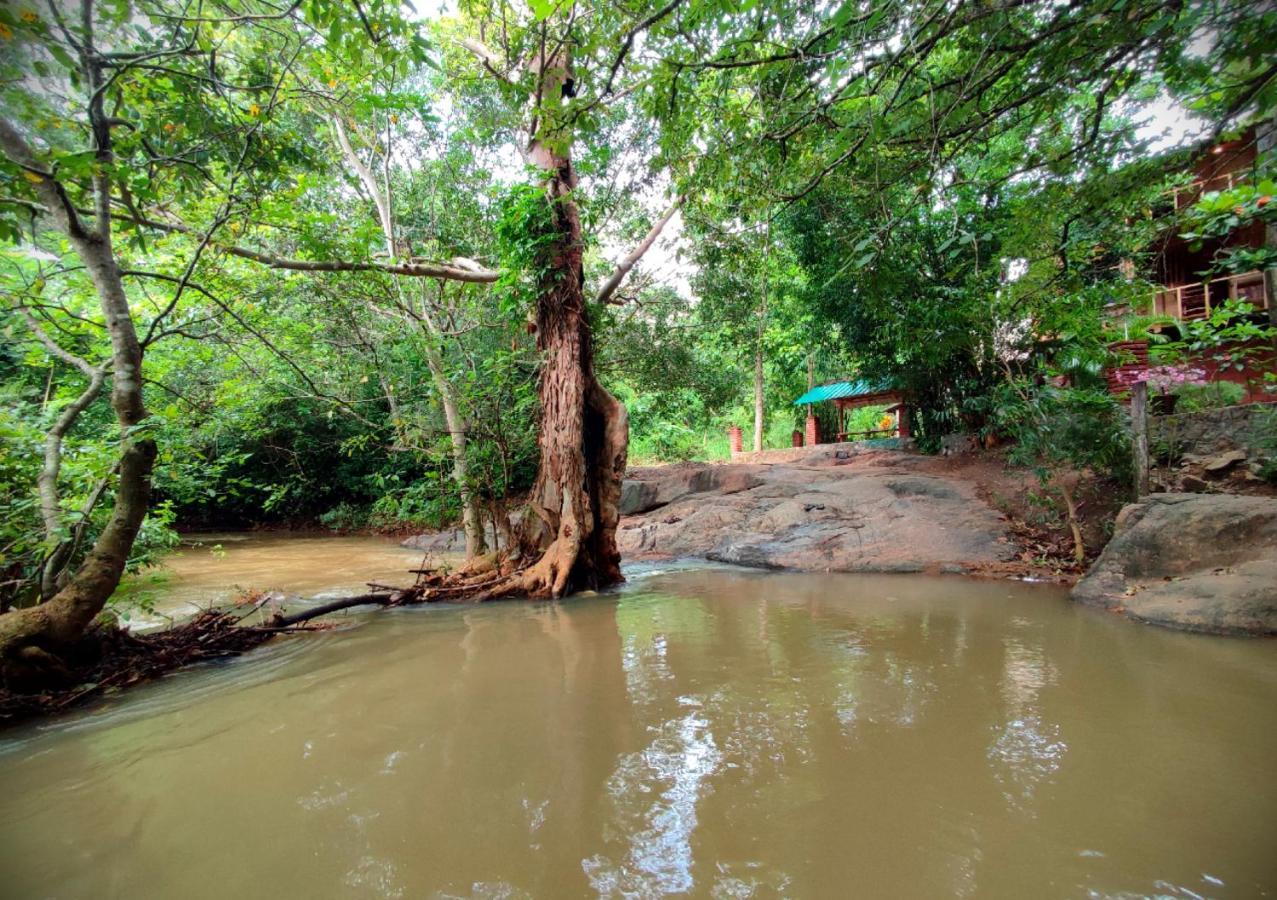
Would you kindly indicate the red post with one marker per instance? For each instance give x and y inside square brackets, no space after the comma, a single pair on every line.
[902,426]
[735,438]
[813,431]
[796,439]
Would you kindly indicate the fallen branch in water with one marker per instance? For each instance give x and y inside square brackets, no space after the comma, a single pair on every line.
[110,658]
[380,599]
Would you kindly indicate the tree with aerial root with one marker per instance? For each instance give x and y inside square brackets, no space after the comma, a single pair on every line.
[566,540]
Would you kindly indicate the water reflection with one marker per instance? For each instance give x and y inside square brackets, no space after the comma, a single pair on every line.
[1027,748]
[672,771]
[705,733]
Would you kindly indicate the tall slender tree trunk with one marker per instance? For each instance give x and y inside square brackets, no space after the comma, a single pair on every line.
[758,396]
[31,639]
[471,520]
[759,385]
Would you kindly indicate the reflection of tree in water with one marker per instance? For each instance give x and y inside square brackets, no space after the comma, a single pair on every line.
[1027,748]
[677,763]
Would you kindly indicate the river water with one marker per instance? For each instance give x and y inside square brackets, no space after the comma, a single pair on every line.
[706,732]
[217,568]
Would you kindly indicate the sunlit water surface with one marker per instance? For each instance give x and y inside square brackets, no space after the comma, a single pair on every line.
[713,733]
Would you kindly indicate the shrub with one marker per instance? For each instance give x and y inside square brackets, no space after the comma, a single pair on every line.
[1212,395]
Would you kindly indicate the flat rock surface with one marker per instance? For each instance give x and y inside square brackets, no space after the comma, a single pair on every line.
[880,515]
[1199,562]
[872,511]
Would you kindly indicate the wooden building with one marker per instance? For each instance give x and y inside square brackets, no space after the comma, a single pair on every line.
[849,395]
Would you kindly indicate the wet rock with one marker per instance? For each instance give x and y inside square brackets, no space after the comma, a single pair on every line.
[450,540]
[637,496]
[657,486]
[1199,562]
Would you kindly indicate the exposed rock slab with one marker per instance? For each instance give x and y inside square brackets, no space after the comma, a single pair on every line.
[817,514]
[450,540]
[1199,562]
[822,516]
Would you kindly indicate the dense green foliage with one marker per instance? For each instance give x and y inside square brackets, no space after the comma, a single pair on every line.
[934,194]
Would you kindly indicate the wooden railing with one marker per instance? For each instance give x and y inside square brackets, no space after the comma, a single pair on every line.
[1191,193]
[871,434]
[1195,301]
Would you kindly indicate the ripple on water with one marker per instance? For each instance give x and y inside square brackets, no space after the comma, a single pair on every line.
[700,732]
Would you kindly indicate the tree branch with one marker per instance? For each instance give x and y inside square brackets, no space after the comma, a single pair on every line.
[490,60]
[50,190]
[457,269]
[628,42]
[623,268]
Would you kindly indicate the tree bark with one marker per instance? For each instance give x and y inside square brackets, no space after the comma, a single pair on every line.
[471,520]
[1266,140]
[59,548]
[758,397]
[584,430]
[31,638]
[47,483]
[1139,437]
[759,385]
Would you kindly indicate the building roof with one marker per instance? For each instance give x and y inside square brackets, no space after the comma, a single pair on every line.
[840,389]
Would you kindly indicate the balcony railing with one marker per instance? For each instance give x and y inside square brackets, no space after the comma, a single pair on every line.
[1191,193]
[1195,301]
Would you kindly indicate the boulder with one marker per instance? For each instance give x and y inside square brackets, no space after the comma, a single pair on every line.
[1198,562]
[656,486]
[1224,461]
[1193,485]
[637,496]
[450,540]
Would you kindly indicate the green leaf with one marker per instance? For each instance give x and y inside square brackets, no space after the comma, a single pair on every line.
[541,9]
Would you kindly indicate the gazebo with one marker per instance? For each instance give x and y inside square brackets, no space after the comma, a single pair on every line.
[847,395]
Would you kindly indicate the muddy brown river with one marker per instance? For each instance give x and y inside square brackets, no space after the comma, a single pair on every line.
[217,567]
[701,732]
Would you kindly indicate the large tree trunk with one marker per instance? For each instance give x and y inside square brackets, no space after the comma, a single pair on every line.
[584,431]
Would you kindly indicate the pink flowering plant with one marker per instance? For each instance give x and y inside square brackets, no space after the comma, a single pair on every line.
[1165,379]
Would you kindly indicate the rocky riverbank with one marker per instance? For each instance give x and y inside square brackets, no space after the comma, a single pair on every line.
[839,508]
[820,514]
[1198,562]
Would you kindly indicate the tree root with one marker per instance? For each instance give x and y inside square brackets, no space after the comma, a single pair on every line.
[108,659]
[41,681]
